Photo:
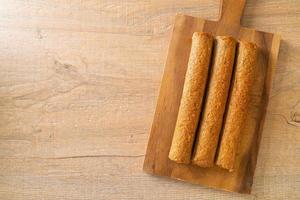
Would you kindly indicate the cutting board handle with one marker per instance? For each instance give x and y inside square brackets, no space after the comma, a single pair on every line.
[231,12]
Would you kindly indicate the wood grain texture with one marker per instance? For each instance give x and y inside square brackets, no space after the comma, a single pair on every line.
[79,82]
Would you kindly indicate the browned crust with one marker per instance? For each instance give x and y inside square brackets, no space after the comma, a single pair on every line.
[215,103]
[238,104]
[191,100]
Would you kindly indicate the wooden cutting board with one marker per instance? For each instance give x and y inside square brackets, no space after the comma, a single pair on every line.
[156,160]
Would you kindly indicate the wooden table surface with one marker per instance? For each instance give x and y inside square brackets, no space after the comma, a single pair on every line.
[78,87]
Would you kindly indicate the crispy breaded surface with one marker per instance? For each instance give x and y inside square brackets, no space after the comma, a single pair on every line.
[215,103]
[191,101]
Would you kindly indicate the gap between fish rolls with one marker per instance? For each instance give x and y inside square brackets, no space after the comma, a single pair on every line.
[239,100]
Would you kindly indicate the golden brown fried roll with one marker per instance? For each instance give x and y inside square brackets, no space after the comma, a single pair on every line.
[238,104]
[215,103]
[191,100]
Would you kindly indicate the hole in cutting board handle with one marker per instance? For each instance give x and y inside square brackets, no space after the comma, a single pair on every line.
[231,12]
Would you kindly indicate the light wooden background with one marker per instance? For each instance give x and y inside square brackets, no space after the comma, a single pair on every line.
[79,81]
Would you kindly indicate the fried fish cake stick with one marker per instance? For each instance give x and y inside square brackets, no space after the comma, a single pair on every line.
[239,101]
[191,100]
[215,103]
